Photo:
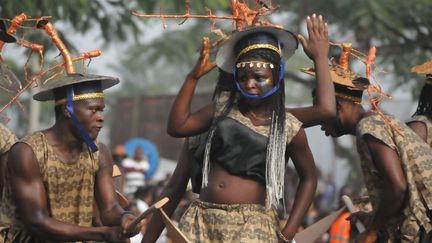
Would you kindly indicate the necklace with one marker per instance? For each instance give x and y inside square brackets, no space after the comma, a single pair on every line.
[259,118]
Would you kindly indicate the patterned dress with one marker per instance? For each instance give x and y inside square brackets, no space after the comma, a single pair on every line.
[428,123]
[416,161]
[207,222]
[69,189]
[7,139]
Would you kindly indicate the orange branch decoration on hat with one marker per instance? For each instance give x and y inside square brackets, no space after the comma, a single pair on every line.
[8,78]
[16,23]
[344,58]
[376,89]
[372,87]
[341,73]
[50,30]
[241,14]
[43,23]
[84,56]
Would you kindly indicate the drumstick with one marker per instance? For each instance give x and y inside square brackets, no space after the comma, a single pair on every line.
[150,210]
[350,206]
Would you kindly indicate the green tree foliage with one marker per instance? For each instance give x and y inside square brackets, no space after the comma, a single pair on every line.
[401,30]
[113,18]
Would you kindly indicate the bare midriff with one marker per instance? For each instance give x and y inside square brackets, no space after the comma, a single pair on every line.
[225,188]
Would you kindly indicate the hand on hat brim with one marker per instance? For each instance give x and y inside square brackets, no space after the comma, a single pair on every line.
[317,46]
[203,65]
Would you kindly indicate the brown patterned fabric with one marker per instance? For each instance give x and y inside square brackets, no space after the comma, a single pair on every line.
[210,222]
[293,125]
[69,188]
[416,159]
[428,123]
[206,222]
[7,139]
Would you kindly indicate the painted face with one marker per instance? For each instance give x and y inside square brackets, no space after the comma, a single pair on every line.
[255,80]
[90,114]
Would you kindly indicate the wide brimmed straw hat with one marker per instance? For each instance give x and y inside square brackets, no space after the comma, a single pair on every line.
[424,69]
[339,76]
[47,92]
[226,55]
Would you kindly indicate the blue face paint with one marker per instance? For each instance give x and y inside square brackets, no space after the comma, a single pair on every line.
[264,83]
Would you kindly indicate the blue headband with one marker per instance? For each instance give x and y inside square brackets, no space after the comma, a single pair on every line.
[69,106]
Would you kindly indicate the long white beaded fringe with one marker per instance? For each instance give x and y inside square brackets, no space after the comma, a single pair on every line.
[206,163]
[275,165]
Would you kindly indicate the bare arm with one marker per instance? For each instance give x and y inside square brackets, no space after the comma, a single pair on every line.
[304,164]
[31,201]
[317,48]
[110,209]
[182,122]
[419,128]
[394,184]
[174,191]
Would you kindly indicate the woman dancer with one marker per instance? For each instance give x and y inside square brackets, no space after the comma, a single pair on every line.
[238,168]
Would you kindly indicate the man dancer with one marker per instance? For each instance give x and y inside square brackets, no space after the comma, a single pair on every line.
[421,121]
[54,175]
[395,164]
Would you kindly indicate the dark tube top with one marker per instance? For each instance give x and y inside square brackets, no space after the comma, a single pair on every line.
[238,146]
[235,147]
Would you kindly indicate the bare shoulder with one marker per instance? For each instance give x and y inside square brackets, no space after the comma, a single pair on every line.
[419,128]
[300,139]
[22,161]
[105,157]
[376,145]
[103,149]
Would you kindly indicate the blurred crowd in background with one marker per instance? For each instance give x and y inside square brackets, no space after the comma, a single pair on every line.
[142,191]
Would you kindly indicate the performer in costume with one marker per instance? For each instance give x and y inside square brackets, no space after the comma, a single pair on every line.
[238,168]
[421,121]
[7,139]
[54,175]
[395,165]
